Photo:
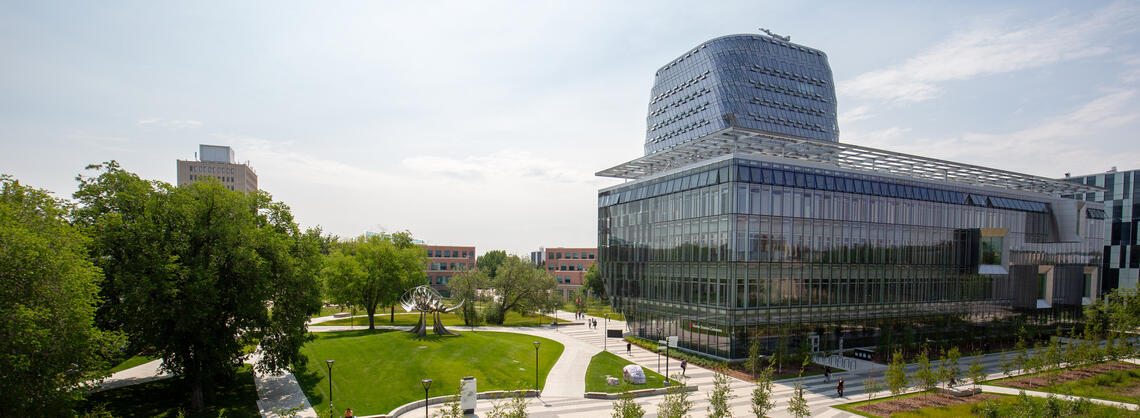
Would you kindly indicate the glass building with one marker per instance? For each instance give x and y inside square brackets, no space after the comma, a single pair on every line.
[1121,262]
[752,230]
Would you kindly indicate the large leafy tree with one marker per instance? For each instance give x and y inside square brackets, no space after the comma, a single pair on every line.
[49,343]
[374,271]
[519,287]
[197,273]
[489,263]
[465,287]
[592,281]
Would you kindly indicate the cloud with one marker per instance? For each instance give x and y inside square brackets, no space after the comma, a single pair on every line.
[173,124]
[1080,140]
[993,48]
[856,114]
[110,143]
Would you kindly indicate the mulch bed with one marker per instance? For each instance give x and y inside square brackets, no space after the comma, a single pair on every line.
[1042,380]
[737,371]
[935,400]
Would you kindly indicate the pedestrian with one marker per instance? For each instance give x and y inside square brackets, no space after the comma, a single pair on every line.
[684,365]
[840,387]
[629,348]
[348,413]
[827,374]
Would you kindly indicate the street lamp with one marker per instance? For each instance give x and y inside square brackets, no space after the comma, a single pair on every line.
[426,384]
[332,412]
[536,344]
[605,331]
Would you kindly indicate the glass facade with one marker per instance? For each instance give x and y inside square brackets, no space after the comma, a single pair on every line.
[735,248]
[750,81]
[1121,262]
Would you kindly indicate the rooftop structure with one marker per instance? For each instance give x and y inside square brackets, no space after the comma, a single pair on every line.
[217,162]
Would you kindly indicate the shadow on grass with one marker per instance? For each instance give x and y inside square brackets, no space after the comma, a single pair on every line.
[309,380]
[351,333]
[163,398]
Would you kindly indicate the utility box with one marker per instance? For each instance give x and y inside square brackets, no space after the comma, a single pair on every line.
[468,394]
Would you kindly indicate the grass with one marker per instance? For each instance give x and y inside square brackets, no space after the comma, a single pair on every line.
[164,398]
[449,320]
[850,407]
[595,309]
[1008,405]
[1110,386]
[377,371]
[607,363]
[132,362]
[329,310]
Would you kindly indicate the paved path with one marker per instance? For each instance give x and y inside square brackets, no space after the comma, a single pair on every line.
[146,372]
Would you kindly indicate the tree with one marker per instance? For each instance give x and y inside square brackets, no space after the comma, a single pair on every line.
[49,344]
[797,405]
[948,368]
[676,403]
[373,271]
[897,380]
[521,288]
[872,386]
[593,283]
[762,394]
[927,376]
[198,272]
[625,406]
[720,396]
[977,372]
[489,263]
[754,357]
[465,287]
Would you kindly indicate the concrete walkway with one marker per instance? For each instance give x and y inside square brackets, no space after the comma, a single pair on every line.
[146,372]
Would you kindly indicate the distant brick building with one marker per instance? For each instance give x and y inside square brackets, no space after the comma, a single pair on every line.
[446,261]
[569,265]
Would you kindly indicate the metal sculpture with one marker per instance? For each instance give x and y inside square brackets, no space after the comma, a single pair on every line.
[426,300]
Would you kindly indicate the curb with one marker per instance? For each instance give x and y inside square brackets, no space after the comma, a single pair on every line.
[493,394]
[636,393]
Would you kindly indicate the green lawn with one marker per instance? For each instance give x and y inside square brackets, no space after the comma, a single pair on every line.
[1112,386]
[376,371]
[164,398]
[449,320]
[607,363]
[329,310]
[597,310]
[132,362]
[1008,405]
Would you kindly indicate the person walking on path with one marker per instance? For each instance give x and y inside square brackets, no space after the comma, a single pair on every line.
[839,388]
[684,364]
[348,413]
[629,348]
[827,374]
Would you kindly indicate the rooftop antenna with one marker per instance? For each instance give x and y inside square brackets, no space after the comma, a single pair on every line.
[774,35]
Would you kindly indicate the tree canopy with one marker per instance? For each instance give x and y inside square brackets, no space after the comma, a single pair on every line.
[592,282]
[373,271]
[489,263]
[49,343]
[199,272]
[520,287]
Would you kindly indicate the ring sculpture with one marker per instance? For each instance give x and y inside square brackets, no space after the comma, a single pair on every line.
[426,300]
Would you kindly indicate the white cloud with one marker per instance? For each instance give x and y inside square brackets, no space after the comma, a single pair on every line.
[856,114]
[1080,140]
[173,124]
[993,48]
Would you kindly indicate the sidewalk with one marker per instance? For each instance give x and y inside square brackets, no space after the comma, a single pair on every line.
[146,372]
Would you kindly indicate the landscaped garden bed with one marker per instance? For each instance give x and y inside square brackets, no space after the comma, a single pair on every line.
[609,364]
[914,402]
[1114,381]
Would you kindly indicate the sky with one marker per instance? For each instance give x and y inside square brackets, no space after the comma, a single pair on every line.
[483,123]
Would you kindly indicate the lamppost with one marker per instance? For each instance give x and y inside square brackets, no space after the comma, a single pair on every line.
[426,384]
[605,331]
[332,412]
[536,344]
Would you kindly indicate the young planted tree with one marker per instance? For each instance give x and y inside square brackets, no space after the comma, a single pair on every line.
[948,368]
[676,403]
[198,272]
[872,386]
[897,380]
[977,372]
[1006,365]
[49,344]
[755,358]
[926,375]
[797,405]
[625,406]
[720,396]
[762,394]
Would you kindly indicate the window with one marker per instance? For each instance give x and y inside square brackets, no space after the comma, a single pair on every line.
[991,250]
[1042,281]
[1088,286]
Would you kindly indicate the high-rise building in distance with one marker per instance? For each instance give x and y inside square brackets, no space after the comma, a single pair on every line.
[217,162]
[748,81]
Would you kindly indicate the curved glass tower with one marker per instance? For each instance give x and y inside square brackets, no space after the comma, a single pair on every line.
[747,81]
